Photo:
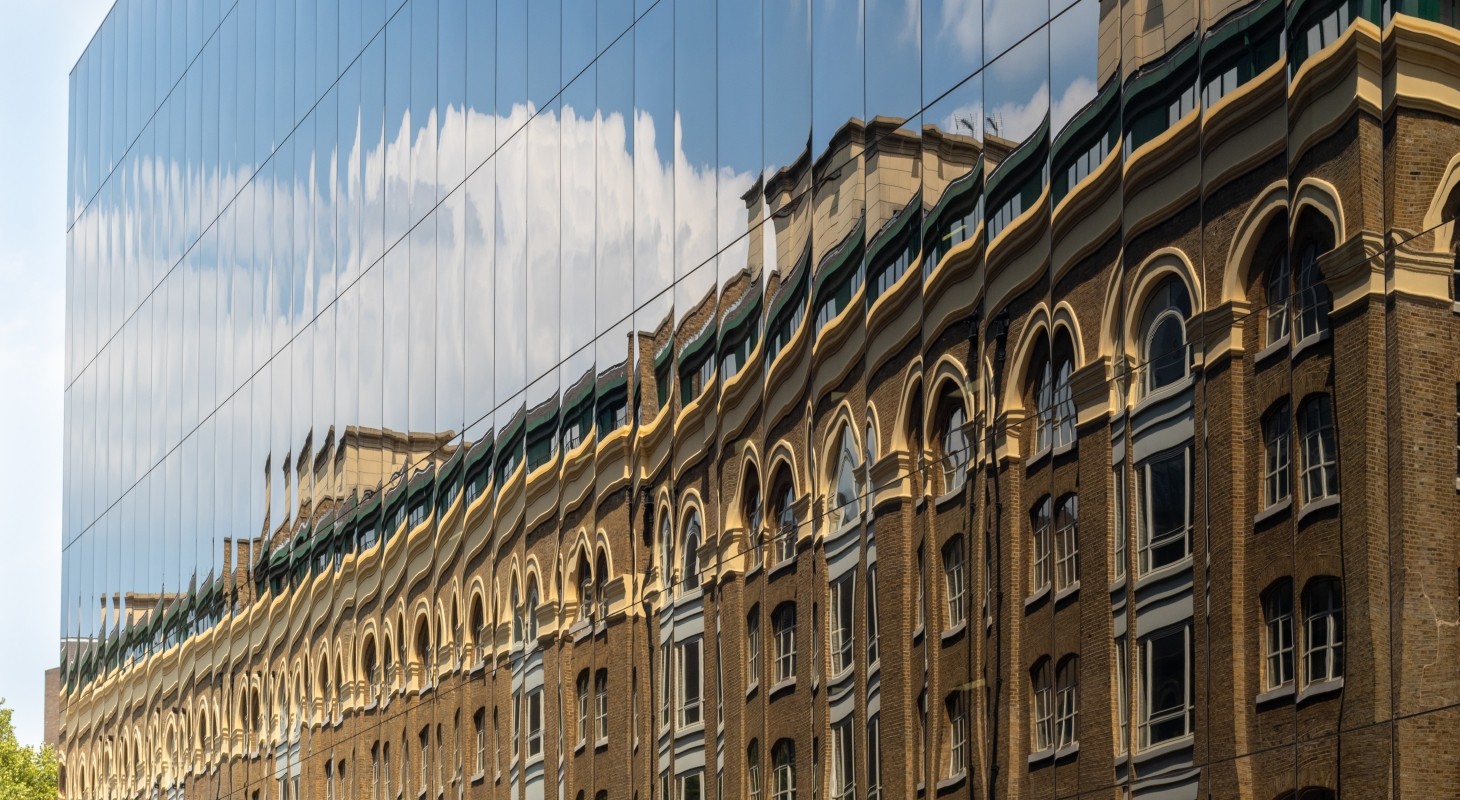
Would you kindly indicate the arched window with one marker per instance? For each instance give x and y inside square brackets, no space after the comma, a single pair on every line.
[1041,375]
[585,586]
[1164,335]
[754,520]
[956,581]
[690,574]
[1067,702]
[1278,294]
[478,627]
[1042,714]
[423,648]
[666,549]
[869,446]
[784,755]
[600,593]
[784,620]
[1320,450]
[752,769]
[1062,419]
[529,628]
[1323,630]
[583,707]
[1276,456]
[1067,543]
[954,439]
[1277,621]
[1040,566]
[1314,299]
[785,545]
[845,505]
[517,631]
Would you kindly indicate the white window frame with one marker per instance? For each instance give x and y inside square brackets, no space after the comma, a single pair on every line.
[1278,635]
[1067,543]
[1067,704]
[479,721]
[1121,534]
[1323,624]
[752,768]
[1149,546]
[784,623]
[1320,449]
[955,583]
[584,684]
[1277,476]
[682,783]
[1041,565]
[1313,298]
[843,778]
[600,692]
[690,664]
[1279,295]
[534,702]
[1122,695]
[873,652]
[783,782]
[752,649]
[1148,718]
[874,757]
[842,610]
[1042,698]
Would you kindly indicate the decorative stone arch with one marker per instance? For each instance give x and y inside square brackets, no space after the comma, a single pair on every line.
[1271,204]
[1037,328]
[912,383]
[1323,198]
[733,515]
[1441,214]
[945,371]
[1163,263]
[782,460]
[830,457]
[603,549]
[1066,321]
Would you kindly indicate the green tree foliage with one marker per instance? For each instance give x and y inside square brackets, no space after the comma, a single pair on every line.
[26,773]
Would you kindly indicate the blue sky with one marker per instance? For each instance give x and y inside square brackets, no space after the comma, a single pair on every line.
[39,42]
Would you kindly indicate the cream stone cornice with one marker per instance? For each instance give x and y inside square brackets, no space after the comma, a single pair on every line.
[894,319]
[1162,176]
[1245,129]
[1354,270]
[1332,85]
[1087,217]
[1424,58]
[1219,331]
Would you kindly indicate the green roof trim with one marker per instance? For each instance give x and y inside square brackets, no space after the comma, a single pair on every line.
[1011,175]
[900,222]
[1154,76]
[836,261]
[793,280]
[971,181]
[1079,125]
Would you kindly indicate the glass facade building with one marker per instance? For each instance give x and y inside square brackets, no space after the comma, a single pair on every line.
[682,400]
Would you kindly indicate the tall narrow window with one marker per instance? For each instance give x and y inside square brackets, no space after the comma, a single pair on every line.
[842,610]
[1277,612]
[784,756]
[1277,299]
[1043,397]
[752,769]
[1120,533]
[1323,630]
[479,725]
[1165,492]
[755,548]
[1042,694]
[953,575]
[752,648]
[955,446]
[1063,419]
[874,758]
[583,701]
[600,702]
[786,534]
[843,784]
[1276,479]
[921,600]
[585,587]
[1039,577]
[1067,703]
[375,771]
[600,591]
[530,623]
[516,723]
[785,629]
[534,723]
[691,574]
[845,504]
[1122,696]
[1313,296]
[1320,452]
[957,709]
[1166,686]
[666,684]
[691,681]
[872,652]
[1067,543]
[1164,323]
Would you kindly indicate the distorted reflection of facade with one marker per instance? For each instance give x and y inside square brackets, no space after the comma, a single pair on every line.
[673,401]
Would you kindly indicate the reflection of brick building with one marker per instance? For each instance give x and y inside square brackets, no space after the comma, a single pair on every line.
[990,468]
